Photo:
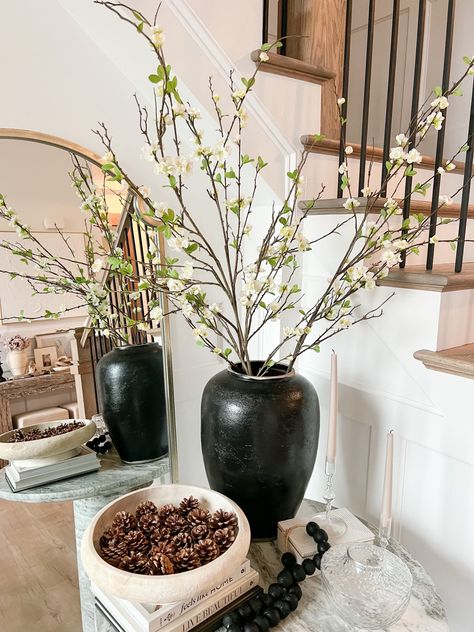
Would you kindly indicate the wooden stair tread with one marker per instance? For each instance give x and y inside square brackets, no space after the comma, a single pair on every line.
[334,206]
[457,360]
[331,146]
[295,68]
[441,279]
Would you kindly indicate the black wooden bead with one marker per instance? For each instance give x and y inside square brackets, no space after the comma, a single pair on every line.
[317,561]
[312,528]
[321,536]
[251,627]
[285,577]
[323,547]
[295,590]
[245,611]
[292,600]
[262,622]
[273,616]
[234,627]
[256,604]
[298,573]
[283,607]
[266,600]
[309,566]
[230,618]
[275,591]
[288,559]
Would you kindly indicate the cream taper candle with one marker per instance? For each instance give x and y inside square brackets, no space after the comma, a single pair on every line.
[386,515]
[331,449]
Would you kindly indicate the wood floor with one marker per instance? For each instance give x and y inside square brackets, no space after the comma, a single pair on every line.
[38,578]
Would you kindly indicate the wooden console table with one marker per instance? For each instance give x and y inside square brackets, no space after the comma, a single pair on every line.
[28,386]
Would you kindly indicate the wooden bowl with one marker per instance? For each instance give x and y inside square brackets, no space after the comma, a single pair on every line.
[161,589]
[50,449]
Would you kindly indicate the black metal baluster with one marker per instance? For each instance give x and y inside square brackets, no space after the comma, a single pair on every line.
[448,49]
[266,12]
[366,100]
[345,89]
[466,189]
[415,99]
[283,25]
[390,93]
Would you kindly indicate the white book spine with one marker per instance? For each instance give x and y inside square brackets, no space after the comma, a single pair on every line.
[167,613]
[189,620]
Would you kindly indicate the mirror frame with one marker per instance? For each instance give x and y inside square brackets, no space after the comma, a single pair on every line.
[7,133]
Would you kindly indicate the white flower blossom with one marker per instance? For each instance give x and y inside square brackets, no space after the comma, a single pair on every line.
[145,191]
[243,116]
[366,191]
[341,101]
[238,94]
[288,332]
[200,332]
[97,266]
[157,36]
[194,113]
[342,168]
[436,120]
[245,300]
[178,243]
[217,350]
[174,285]
[450,166]
[445,200]
[351,204]
[401,139]
[440,171]
[263,56]
[397,154]
[345,322]
[108,157]
[215,308]
[179,109]
[156,313]
[220,151]
[434,239]
[440,102]
[248,229]
[187,271]
[390,257]
[413,157]
[349,150]
[148,152]
[216,98]
[160,209]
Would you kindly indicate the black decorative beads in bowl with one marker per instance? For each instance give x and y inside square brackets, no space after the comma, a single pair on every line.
[265,611]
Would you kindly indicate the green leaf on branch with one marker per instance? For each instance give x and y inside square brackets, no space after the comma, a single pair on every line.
[292,174]
[453,245]
[265,47]
[318,137]
[154,78]
[261,163]
[230,174]
[227,352]
[248,83]
[245,159]
[388,166]
[191,248]
[409,172]
[438,91]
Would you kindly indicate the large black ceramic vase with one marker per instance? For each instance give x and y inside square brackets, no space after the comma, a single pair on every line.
[132,401]
[259,441]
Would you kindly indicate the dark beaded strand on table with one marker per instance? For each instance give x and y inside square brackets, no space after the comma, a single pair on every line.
[267,610]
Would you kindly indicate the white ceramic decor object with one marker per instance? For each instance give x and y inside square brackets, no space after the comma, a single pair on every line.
[48,450]
[17,361]
[161,589]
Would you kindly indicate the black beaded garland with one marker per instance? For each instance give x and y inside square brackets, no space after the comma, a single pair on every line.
[288,559]
[265,611]
[298,573]
[292,600]
[262,622]
[283,608]
[273,616]
[285,578]
[309,566]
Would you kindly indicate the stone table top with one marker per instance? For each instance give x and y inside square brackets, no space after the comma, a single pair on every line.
[425,611]
[114,478]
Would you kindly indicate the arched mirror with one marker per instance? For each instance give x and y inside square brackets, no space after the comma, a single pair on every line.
[65,342]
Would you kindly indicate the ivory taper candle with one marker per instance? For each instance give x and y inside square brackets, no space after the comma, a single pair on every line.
[386,515]
[331,449]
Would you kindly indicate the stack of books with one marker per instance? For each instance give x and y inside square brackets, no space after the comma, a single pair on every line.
[202,613]
[20,477]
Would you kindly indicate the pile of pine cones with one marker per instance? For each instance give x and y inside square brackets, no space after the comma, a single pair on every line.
[51,431]
[169,539]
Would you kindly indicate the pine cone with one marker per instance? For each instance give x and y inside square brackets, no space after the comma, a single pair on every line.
[159,564]
[165,548]
[145,507]
[124,521]
[224,538]
[198,516]
[148,523]
[134,563]
[137,541]
[200,532]
[105,538]
[175,523]
[181,541]
[115,551]
[207,550]
[188,504]
[186,559]
[221,519]
[166,510]
[160,535]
